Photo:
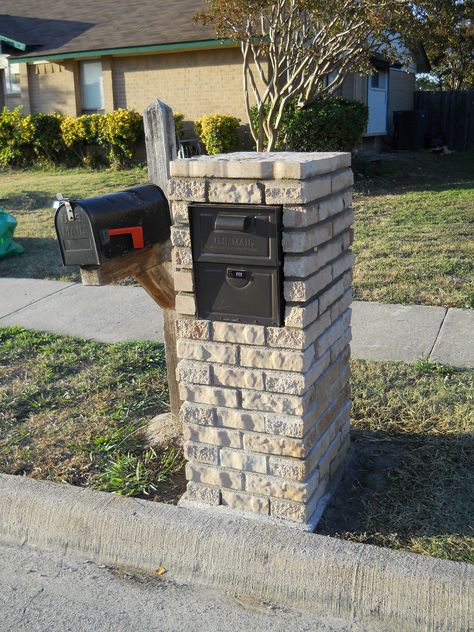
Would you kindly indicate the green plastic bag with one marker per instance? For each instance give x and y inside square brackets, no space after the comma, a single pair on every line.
[8,247]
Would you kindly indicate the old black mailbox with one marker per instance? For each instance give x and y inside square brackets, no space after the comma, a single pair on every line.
[237,262]
[95,229]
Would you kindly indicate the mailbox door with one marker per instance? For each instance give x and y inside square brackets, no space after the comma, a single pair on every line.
[237,293]
[76,238]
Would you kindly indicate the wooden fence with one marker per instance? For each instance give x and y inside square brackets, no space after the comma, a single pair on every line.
[449,114]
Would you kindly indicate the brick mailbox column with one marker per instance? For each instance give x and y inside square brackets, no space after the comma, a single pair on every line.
[266,409]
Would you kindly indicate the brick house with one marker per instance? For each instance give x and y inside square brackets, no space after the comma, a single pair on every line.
[98,55]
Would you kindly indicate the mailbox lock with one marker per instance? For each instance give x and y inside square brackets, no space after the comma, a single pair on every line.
[237,274]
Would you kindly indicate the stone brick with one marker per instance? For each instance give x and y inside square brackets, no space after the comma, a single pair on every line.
[188,189]
[183,281]
[301,216]
[235,332]
[206,351]
[341,180]
[238,377]
[331,205]
[240,460]
[193,329]
[261,400]
[285,337]
[341,344]
[228,397]
[285,382]
[182,258]
[290,426]
[203,494]
[288,192]
[185,304]
[317,369]
[340,306]
[302,291]
[347,195]
[325,460]
[201,452]
[215,436]
[179,212]
[344,263]
[297,512]
[235,191]
[191,372]
[296,316]
[274,444]
[180,236]
[329,296]
[281,488]
[305,265]
[197,414]
[342,221]
[292,469]
[245,502]
[321,445]
[347,279]
[303,240]
[242,419]
[276,359]
[335,331]
[211,475]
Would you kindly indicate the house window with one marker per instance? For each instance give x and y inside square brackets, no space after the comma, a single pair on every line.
[378,80]
[12,79]
[92,89]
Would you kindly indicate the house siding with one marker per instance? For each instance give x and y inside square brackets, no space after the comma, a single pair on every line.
[52,88]
[194,83]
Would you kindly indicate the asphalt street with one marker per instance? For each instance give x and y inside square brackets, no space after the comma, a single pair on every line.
[46,592]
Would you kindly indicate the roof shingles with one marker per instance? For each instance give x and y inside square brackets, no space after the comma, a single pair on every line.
[69,26]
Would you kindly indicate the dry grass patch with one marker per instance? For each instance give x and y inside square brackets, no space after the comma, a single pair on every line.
[411,482]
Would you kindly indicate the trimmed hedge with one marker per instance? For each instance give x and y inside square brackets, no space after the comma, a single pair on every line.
[332,124]
[58,139]
[218,132]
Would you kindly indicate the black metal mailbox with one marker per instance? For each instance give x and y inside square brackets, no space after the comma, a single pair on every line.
[108,226]
[237,262]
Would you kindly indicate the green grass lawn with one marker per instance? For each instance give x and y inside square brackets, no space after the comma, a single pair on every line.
[74,411]
[414,230]
[29,196]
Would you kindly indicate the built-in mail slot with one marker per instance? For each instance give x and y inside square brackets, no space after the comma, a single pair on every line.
[237,262]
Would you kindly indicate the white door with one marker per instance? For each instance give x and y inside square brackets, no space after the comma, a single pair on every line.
[377,100]
[92,89]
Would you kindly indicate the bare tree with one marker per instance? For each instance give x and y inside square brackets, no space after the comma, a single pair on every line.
[298,50]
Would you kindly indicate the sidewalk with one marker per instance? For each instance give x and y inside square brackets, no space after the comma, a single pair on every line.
[117,313]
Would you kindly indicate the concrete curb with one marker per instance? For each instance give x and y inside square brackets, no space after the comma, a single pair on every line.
[331,577]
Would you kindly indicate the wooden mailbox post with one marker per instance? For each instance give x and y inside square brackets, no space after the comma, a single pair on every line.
[150,267]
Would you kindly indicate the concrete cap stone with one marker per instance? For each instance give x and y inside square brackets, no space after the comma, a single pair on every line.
[251,164]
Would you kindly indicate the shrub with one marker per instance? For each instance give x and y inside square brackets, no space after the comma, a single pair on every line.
[78,134]
[47,141]
[54,138]
[332,124]
[16,136]
[218,132]
[178,124]
[120,134]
